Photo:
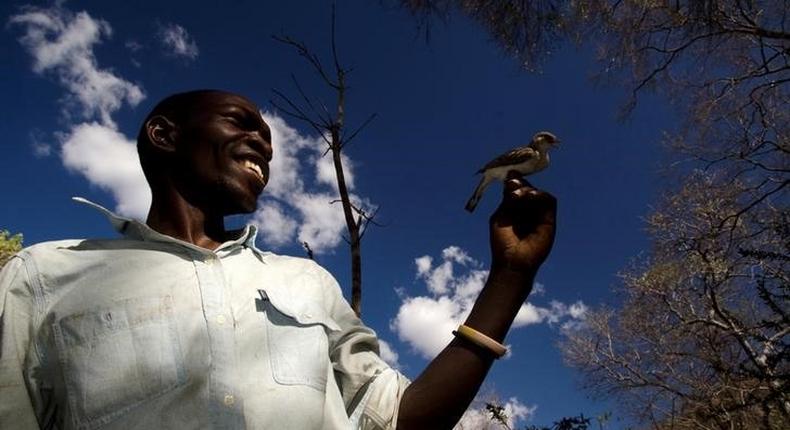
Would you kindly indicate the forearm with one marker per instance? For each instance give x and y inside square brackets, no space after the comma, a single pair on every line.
[440,395]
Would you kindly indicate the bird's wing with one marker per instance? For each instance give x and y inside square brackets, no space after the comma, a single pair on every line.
[514,156]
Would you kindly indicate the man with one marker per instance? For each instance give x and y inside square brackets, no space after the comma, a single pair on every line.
[183,324]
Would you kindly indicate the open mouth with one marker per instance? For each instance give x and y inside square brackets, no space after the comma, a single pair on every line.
[255,168]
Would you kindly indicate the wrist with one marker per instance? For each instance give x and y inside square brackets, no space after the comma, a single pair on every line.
[514,278]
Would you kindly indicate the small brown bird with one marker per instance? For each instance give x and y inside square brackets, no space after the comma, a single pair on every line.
[525,160]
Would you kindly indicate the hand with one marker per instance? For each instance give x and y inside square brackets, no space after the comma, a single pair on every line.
[522,228]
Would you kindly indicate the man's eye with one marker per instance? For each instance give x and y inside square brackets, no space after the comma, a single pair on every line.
[243,122]
[239,122]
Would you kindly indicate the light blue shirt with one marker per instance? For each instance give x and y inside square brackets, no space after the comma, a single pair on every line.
[150,332]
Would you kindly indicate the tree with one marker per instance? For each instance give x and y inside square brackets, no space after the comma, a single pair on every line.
[701,340]
[331,126]
[9,245]
[701,337]
[526,29]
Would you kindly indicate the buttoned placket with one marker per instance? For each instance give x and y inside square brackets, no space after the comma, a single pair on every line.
[225,406]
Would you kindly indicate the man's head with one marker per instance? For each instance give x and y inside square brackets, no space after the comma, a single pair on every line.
[211,147]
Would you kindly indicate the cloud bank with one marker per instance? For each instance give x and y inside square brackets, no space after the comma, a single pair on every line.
[61,44]
[453,283]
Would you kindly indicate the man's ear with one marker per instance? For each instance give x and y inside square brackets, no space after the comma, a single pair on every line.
[162,133]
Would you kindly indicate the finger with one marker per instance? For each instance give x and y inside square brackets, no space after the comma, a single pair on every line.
[532,215]
[515,188]
[515,174]
[512,185]
[530,201]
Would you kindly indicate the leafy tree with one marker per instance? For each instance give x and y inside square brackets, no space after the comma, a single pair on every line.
[9,245]
[701,337]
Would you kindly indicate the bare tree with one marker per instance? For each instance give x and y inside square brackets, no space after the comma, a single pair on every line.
[701,340]
[527,30]
[331,126]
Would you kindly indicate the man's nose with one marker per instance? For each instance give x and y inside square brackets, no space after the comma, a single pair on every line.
[262,145]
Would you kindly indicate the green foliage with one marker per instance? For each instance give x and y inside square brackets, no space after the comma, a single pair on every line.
[9,245]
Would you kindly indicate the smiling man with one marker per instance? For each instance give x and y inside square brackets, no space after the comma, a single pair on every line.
[181,323]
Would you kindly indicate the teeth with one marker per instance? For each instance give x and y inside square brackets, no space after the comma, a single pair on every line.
[254,167]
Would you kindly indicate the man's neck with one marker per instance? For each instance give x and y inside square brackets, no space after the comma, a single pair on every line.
[174,216]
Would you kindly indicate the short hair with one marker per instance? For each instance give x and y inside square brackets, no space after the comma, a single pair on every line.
[176,108]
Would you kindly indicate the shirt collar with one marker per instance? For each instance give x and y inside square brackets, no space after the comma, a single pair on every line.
[134,229]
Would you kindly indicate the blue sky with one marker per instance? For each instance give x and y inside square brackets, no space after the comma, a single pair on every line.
[444,109]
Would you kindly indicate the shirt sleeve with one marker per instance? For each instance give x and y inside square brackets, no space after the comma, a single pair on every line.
[16,312]
[371,389]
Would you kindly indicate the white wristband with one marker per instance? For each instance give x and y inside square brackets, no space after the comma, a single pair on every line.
[481,340]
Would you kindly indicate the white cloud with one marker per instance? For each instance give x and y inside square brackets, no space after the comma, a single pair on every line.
[178,42]
[322,223]
[40,147]
[456,254]
[61,42]
[388,354]
[318,222]
[477,417]
[557,311]
[426,323]
[274,224]
[109,160]
[453,284]
[423,264]
[133,45]
[528,314]
[325,170]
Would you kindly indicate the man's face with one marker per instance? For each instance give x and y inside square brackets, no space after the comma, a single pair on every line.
[222,154]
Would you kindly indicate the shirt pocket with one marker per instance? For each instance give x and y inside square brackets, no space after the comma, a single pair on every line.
[116,358]
[298,346]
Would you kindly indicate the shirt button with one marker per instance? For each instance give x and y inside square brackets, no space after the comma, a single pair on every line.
[221,319]
[229,400]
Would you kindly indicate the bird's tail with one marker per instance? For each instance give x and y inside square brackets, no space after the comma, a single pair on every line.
[475,199]
[471,204]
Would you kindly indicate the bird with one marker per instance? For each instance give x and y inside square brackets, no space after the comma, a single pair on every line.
[525,160]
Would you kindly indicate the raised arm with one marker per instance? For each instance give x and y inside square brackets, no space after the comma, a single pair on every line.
[522,233]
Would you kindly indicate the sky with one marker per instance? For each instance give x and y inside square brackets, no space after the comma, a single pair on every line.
[78,77]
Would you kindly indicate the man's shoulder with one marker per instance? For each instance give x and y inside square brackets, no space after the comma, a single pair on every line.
[64,247]
[289,260]
[291,263]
